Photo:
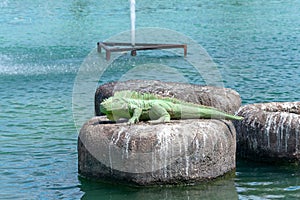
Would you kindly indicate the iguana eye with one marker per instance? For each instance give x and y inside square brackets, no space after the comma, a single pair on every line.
[116,100]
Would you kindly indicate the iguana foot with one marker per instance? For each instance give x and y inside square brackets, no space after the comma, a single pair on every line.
[160,120]
[132,121]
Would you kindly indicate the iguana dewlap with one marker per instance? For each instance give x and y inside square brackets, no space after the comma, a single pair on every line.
[136,107]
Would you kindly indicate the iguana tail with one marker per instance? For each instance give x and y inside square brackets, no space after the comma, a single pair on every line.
[205,113]
[216,114]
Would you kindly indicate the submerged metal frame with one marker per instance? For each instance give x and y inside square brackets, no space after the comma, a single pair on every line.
[119,47]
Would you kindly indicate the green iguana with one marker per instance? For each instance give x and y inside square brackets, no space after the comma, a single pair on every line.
[136,106]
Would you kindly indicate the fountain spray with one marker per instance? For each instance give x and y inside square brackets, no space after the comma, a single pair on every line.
[132,17]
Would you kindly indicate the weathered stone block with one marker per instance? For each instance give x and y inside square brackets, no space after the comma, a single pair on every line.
[269,132]
[180,152]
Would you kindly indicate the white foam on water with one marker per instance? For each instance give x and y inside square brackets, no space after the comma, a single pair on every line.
[8,66]
[36,69]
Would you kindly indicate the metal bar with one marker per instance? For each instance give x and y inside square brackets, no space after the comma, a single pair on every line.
[98,47]
[117,47]
[108,55]
[136,44]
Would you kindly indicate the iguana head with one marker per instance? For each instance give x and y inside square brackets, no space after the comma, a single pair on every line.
[114,108]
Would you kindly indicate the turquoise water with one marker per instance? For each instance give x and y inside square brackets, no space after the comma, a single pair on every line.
[43,43]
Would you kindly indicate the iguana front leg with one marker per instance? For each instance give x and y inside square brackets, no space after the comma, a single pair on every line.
[135,116]
[158,114]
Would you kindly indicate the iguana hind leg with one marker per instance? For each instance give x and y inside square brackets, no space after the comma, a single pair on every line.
[158,114]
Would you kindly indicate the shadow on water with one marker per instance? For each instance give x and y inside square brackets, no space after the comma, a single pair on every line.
[219,189]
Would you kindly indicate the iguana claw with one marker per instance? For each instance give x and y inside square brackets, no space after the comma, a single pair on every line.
[132,121]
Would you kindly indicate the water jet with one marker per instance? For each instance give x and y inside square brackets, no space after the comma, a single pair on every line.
[133,47]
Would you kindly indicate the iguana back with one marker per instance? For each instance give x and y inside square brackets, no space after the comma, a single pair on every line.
[149,96]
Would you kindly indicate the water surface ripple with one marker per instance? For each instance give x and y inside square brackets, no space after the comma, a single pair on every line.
[255,45]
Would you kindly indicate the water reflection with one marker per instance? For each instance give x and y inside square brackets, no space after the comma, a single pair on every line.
[267,181]
[220,189]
